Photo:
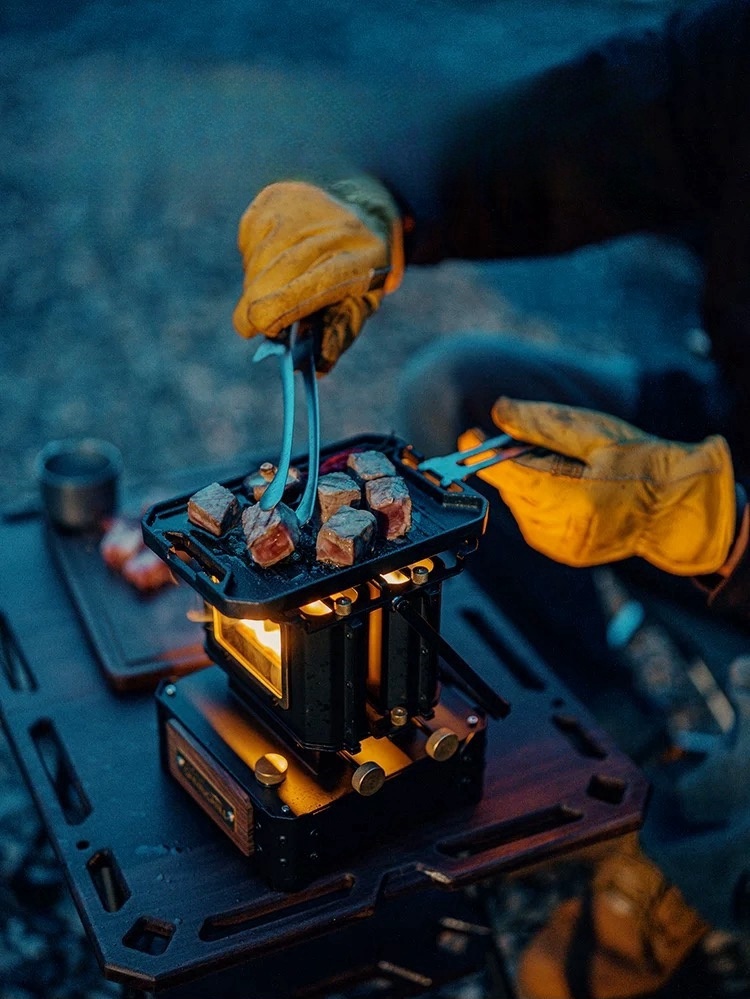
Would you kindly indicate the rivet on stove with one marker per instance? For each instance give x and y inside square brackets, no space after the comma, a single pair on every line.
[343,606]
[472,720]
[170,690]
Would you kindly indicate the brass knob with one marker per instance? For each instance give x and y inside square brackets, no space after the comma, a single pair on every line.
[368,779]
[399,716]
[442,744]
[271,769]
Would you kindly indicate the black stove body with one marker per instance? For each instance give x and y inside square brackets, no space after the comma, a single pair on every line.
[336,714]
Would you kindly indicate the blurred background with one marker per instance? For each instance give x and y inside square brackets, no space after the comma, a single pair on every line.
[133,136]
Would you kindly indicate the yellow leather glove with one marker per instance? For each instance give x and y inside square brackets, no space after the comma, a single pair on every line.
[308,250]
[611,491]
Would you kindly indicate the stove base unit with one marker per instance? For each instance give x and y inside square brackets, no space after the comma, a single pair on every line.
[297,816]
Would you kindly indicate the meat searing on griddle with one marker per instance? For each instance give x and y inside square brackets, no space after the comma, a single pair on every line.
[256,483]
[146,571]
[270,535]
[346,537]
[389,500]
[367,465]
[334,491]
[214,508]
[122,548]
[122,539]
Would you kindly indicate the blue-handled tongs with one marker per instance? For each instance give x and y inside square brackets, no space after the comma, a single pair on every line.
[295,348]
[296,352]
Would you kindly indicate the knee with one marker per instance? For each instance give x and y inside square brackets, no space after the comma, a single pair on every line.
[431,395]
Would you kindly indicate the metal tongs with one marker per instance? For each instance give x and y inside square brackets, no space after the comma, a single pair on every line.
[296,352]
[449,468]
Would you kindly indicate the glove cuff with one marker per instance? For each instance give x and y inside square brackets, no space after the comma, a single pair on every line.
[377,208]
[692,526]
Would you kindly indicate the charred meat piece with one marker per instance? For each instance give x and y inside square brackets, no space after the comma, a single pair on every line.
[146,571]
[346,537]
[271,535]
[389,500]
[121,540]
[214,508]
[367,465]
[334,491]
[256,483]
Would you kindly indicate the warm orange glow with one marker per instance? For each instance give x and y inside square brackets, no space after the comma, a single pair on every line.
[352,594]
[267,634]
[375,651]
[396,578]
[383,752]
[318,608]
[255,645]
[426,562]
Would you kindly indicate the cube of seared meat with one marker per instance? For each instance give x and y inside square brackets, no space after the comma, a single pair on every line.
[121,540]
[346,537]
[367,465]
[256,483]
[271,535]
[389,500]
[334,491]
[146,571]
[214,508]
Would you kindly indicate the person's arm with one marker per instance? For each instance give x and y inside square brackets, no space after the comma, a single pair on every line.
[595,489]
[728,589]
[601,490]
[637,134]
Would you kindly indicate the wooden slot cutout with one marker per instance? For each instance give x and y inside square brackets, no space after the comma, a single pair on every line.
[149,935]
[60,772]
[510,831]
[13,664]
[610,790]
[108,879]
[578,737]
[279,907]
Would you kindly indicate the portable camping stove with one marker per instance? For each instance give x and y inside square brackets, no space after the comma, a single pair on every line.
[342,713]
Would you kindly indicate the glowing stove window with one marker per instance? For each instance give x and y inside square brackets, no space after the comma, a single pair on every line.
[255,645]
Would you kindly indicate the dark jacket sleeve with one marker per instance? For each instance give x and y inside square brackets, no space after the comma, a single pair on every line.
[638,134]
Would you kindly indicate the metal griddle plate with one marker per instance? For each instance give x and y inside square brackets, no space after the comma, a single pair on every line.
[221,570]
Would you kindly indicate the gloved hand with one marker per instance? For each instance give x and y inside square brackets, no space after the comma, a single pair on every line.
[306,249]
[612,491]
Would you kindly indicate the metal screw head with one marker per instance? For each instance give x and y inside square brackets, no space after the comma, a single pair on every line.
[472,720]
[271,769]
[420,574]
[170,690]
[399,716]
[368,779]
[343,606]
[442,744]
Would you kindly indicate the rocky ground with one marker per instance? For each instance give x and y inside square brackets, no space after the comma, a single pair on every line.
[133,136]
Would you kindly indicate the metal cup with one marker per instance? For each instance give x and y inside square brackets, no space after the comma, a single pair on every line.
[78,481]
